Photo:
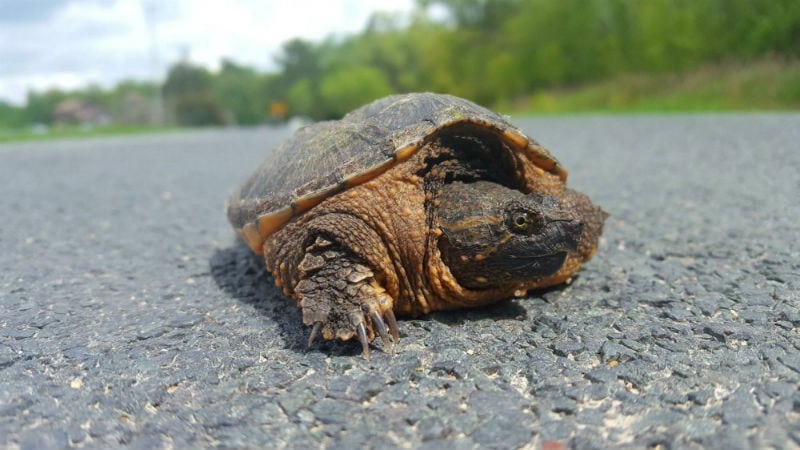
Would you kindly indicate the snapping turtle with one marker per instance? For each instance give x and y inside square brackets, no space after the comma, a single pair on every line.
[411,204]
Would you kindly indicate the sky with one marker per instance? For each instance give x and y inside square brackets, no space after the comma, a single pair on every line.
[71,43]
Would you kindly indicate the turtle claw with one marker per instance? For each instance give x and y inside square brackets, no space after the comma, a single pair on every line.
[362,336]
[314,333]
[392,322]
[378,323]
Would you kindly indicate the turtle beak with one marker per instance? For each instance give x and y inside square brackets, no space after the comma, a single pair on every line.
[568,232]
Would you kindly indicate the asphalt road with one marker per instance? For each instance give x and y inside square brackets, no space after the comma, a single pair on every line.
[132,317]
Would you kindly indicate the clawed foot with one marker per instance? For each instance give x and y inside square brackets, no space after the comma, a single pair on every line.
[364,325]
[340,298]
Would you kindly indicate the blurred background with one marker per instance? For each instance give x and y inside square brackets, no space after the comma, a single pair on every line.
[114,66]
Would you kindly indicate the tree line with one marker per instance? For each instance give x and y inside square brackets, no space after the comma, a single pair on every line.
[491,51]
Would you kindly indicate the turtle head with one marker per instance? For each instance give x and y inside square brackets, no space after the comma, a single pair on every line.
[495,236]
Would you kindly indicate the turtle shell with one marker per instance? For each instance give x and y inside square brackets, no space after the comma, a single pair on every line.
[325,158]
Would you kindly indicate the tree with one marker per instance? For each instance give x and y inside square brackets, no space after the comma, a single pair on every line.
[483,15]
[242,92]
[300,76]
[351,87]
[12,116]
[188,95]
[186,78]
[40,106]
[198,109]
[301,100]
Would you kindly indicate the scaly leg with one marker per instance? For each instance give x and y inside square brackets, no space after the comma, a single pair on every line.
[340,297]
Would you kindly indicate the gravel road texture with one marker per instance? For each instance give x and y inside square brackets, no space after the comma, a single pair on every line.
[131,316]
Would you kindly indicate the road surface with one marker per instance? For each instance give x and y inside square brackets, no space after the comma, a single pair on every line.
[132,317]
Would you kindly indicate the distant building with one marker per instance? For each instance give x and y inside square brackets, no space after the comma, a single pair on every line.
[80,112]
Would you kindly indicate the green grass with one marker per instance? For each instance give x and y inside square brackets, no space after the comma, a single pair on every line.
[766,85]
[28,134]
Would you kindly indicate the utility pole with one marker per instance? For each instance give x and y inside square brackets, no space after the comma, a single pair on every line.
[157,108]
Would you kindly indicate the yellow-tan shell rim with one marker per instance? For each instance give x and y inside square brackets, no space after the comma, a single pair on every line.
[255,233]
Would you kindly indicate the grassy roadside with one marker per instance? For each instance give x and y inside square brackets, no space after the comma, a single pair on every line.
[26,135]
[768,84]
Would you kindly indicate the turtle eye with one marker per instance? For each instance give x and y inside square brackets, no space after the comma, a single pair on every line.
[524,221]
[520,221]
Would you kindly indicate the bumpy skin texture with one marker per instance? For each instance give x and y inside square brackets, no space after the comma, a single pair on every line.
[373,249]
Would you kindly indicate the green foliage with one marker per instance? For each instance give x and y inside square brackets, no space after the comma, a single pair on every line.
[12,116]
[134,103]
[299,78]
[301,98]
[185,78]
[300,60]
[767,84]
[198,109]
[189,97]
[241,92]
[484,15]
[496,52]
[40,106]
[351,87]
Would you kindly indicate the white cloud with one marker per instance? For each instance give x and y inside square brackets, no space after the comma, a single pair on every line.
[93,41]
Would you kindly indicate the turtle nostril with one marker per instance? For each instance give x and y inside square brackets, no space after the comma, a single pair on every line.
[576,225]
[572,230]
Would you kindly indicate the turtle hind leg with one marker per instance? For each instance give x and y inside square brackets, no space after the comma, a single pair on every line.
[340,297]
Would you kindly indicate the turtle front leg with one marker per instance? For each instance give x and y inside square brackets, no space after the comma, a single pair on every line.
[340,297]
